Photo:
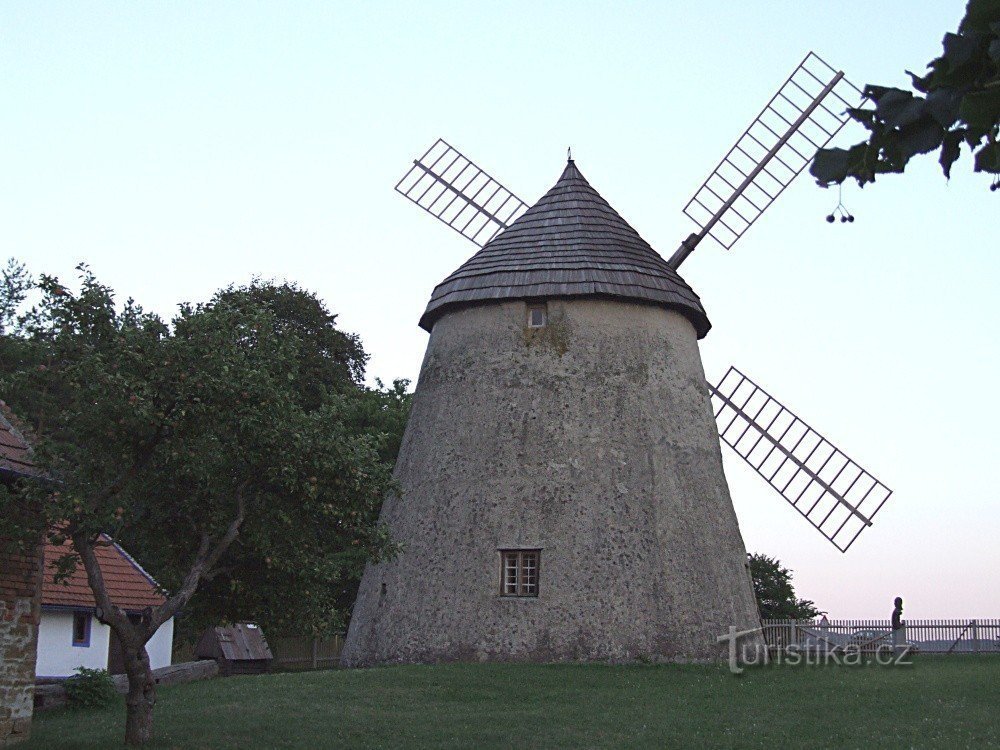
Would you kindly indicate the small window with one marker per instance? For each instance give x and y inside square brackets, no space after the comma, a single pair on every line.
[537,316]
[519,572]
[81,628]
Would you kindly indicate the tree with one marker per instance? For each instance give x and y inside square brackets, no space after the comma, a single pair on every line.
[772,583]
[230,433]
[958,102]
[281,582]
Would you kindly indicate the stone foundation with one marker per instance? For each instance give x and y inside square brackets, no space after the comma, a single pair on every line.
[20,589]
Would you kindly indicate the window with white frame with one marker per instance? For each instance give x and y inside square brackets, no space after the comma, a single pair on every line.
[537,315]
[519,572]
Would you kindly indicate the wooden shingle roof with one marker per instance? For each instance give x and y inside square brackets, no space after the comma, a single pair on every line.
[571,243]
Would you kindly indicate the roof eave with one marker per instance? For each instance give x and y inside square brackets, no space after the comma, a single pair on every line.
[434,312]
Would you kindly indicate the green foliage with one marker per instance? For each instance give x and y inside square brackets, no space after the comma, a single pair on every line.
[385,411]
[15,284]
[90,688]
[328,359]
[157,433]
[772,583]
[957,102]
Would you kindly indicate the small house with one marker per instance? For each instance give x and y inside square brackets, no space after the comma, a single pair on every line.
[239,649]
[69,634]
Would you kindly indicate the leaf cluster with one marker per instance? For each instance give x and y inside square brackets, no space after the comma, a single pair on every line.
[957,102]
[776,599]
[90,688]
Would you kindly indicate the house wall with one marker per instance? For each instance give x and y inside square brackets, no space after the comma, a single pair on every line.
[20,591]
[161,645]
[58,657]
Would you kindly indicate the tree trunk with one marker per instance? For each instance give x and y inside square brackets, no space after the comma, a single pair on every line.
[141,696]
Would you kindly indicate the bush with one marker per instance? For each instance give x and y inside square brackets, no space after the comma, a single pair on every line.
[90,688]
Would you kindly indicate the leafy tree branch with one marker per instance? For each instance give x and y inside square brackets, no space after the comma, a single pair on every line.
[956,105]
[776,599]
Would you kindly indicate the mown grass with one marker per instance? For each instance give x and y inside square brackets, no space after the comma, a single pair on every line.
[938,702]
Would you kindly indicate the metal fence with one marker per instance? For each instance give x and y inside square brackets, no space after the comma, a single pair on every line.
[973,636]
[306,652]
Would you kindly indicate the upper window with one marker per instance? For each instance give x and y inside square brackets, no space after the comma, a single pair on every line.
[81,628]
[519,572]
[537,316]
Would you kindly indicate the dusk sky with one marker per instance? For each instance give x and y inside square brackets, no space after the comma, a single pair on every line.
[179,147]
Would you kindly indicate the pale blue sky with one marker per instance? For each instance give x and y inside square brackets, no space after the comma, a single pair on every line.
[179,147]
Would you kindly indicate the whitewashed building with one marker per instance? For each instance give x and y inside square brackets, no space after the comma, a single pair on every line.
[69,635]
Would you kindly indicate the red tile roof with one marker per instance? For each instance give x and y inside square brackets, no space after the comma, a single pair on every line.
[129,586]
[15,455]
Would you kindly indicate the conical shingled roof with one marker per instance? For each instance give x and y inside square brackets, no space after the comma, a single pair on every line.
[571,243]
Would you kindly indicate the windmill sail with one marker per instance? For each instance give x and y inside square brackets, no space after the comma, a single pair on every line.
[833,492]
[454,190]
[805,114]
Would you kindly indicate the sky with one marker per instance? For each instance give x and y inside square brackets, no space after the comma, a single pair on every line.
[180,147]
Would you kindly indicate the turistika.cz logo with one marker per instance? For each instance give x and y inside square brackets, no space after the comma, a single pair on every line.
[747,649]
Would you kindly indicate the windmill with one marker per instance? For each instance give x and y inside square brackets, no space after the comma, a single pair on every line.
[532,465]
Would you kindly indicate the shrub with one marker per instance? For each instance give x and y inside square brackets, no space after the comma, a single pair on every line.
[90,688]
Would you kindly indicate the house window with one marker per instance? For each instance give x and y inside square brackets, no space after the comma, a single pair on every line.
[537,316]
[519,572]
[81,628]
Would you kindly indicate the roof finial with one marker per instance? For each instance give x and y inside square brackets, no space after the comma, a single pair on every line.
[569,155]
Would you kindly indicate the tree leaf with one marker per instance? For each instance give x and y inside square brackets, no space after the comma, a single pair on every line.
[950,151]
[875,92]
[981,109]
[919,82]
[959,50]
[943,105]
[988,158]
[829,166]
[980,15]
[919,138]
[864,116]
[889,166]
[898,108]
[834,165]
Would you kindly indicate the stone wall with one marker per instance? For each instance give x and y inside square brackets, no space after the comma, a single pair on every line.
[20,594]
[592,440]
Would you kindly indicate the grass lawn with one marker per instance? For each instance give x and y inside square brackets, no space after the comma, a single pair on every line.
[939,702]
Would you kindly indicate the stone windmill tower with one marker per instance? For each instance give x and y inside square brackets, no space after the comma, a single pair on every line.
[563,494]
